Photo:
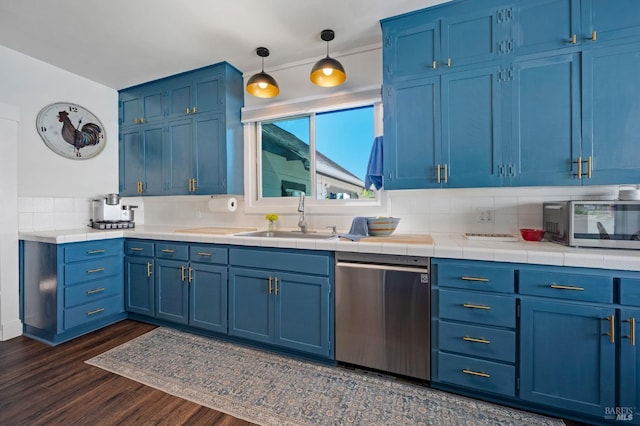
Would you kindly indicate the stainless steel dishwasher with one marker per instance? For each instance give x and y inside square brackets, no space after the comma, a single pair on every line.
[383,313]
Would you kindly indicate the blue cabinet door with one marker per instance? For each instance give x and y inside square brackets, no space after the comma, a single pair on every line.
[629,368]
[412,137]
[141,105]
[609,20]
[139,283]
[567,356]
[543,25]
[172,291]
[208,92]
[140,158]
[610,108]
[209,163]
[472,144]
[302,312]
[545,121]
[411,47]
[179,95]
[177,157]
[208,297]
[251,304]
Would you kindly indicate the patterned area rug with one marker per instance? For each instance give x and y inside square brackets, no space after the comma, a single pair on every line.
[268,389]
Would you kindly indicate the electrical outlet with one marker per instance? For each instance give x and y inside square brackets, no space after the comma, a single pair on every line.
[485,214]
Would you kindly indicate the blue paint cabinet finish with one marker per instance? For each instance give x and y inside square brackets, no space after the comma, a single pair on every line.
[140,292]
[545,106]
[195,145]
[282,297]
[70,289]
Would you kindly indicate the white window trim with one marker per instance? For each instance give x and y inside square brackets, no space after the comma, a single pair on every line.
[252,159]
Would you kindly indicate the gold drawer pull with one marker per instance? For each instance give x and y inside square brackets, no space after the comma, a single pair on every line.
[472,339]
[203,253]
[136,249]
[484,280]
[95,311]
[168,251]
[471,306]
[91,271]
[97,290]
[566,287]
[96,251]
[632,331]
[476,373]
[612,330]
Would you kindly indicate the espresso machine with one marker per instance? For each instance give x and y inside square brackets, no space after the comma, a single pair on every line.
[109,213]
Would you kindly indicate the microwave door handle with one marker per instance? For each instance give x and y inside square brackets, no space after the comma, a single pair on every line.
[552,207]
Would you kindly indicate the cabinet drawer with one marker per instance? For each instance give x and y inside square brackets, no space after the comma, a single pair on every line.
[630,291]
[93,311]
[208,254]
[478,308]
[477,374]
[93,290]
[475,276]
[92,269]
[564,285]
[92,249]
[282,259]
[139,248]
[477,341]
[174,251]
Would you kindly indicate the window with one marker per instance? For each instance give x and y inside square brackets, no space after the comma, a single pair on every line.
[324,155]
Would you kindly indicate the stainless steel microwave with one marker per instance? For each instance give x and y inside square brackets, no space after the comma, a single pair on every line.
[609,224]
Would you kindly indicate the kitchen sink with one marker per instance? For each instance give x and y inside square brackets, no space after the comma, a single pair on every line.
[288,234]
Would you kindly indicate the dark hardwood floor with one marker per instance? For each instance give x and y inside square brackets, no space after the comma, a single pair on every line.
[44,385]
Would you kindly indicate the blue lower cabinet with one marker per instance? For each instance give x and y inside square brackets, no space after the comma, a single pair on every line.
[172,291]
[284,307]
[208,297]
[480,374]
[140,294]
[629,367]
[567,356]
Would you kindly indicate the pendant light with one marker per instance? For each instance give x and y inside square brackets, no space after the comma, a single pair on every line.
[327,72]
[262,85]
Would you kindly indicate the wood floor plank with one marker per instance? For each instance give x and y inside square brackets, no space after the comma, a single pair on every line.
[44,385]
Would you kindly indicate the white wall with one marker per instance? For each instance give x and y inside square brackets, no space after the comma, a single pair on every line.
[29,85]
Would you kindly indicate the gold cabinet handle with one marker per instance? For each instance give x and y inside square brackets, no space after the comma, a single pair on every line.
[93,271]
[574,39]
[135,121]
[434,65]
[204,253]
[438,173]
[566,287]
[193,185]
[472,306]
[136,248]
[190,274]
[445,173]
[183,269]
[476,373]
[168,251]
[141,120]
[95,251]
[632,331]
[579,162]
[484,280]
[149,269]
[589,167]
[97,290]
[594,36]
[270,284]
[276,286]
[188,110]
[612,330]
[449,62]
[474,340]
[95,311]
[194,110]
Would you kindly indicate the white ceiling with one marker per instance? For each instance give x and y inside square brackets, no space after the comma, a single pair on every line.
[120,43]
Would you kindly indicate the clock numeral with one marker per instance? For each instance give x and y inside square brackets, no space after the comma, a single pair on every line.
[42,128]
[73,109]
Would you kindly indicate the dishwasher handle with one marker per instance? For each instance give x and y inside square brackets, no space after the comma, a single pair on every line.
[383,267]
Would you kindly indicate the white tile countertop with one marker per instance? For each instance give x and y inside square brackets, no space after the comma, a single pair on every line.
[455,246]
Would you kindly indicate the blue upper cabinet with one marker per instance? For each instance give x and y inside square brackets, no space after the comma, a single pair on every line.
[611,104]
[541,25]
[200,150]
[606,20]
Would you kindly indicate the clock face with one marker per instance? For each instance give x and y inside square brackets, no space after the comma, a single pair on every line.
[71,130]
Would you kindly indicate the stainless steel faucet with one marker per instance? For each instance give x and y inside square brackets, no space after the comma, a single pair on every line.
[302,223]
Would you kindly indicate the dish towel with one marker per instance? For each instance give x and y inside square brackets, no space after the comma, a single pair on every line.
[358,229]
[375,168]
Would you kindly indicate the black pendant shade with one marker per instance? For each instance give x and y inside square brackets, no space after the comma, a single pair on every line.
[262,85]
[328,72]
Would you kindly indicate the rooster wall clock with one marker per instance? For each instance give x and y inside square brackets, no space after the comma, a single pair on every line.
[71,130]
